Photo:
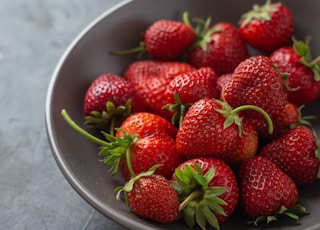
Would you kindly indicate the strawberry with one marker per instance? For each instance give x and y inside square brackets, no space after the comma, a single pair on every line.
[267,27]
[304,73]
[219,47]
[211,128]
[256,81]
[149,141]
[150,78]
[297,153]
[265,191]
[109,99]
[222,80]
[151,196]
[246,145]
[165,39]
[208,190]
[190,87]
[289,117]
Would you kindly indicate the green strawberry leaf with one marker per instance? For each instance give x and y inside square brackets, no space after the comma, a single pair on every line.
[294,213]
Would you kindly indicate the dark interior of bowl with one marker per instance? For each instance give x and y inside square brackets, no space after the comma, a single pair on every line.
[89,57]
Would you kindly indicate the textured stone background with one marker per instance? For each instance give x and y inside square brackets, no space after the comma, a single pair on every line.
[33,192]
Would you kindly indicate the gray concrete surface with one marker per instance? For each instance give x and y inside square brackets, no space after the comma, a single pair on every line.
[33,192]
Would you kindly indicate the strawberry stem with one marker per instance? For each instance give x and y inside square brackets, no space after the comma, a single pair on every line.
[129,164]
[258,109]
[191,197]
[81,131]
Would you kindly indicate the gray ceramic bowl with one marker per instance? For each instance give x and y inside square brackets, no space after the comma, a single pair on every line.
[88,56]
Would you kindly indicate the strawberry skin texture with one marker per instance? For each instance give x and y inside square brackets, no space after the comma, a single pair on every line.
[146,124]
[202,132]
[264,187]
[282,123]
[154,198]
[295,153]
[245,147]
[166,39]
[270,34]
[224,51]
[150,151]
[256,81]
[193,86]
[113,88]
[151,78]
[155,144]
[301,79]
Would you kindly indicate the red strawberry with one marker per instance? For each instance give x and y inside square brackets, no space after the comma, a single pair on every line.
[266,191]
[219,47]
[304,73]
[152,197]
[203,132]
[245,147]
[149,141]
[222,80]
[189,88]
[256,81]
[267,27]
[150,79]
[211,128]
[154,143]
[297,153]
[208,190]
[165,39]
[109,99]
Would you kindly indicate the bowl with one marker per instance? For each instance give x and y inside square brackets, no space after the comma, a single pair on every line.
[89,56]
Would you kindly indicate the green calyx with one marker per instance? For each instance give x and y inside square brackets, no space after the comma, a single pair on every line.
[203,31]
[179,108]
[259,12]
[232,116]
[303,50]
[294,213]
[129,185]
[200,202]
[112,149]
[109,118]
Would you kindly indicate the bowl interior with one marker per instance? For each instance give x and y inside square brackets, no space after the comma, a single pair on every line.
[88,56]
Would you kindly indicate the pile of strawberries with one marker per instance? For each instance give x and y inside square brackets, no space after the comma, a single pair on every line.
[200,126]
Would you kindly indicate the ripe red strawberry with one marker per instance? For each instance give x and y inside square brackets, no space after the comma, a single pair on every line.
[109,99]
[304,73]
[203,132]
[266,191]
[245,147]
[267,27]
[211,128]
[256,81]
[149,141]
[222,80]
[189,88]
[150,78]
[151,196]
[165,39]
[219,47]
[208,190]
[289,117]
[297,153]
